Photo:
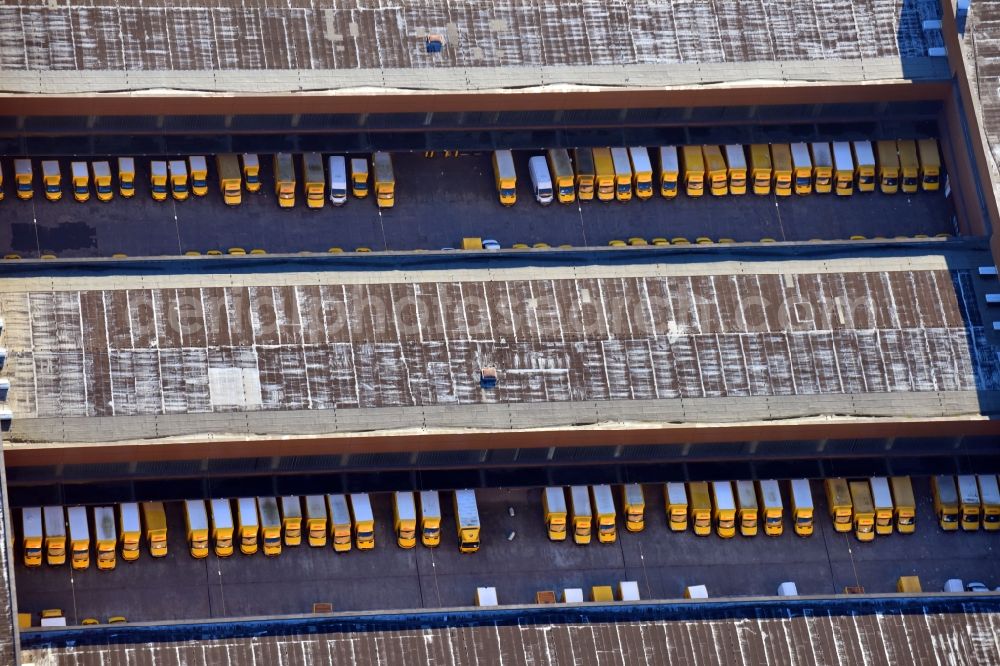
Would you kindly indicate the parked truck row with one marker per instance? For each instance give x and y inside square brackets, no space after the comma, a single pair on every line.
[181,178]
[609,174]
[265,524]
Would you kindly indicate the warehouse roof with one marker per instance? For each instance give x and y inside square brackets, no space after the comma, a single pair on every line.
[225,45]
[815,631]
[981,46]
[112,358]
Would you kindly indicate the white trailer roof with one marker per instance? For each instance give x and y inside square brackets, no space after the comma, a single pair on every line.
[104,523]
[722,491]
[247,508]
[315,506]
[22,166]
[268,507]
[79,169]
[555,499]
[101,169]
[129,512]
[158,168]
[198,163]
[822,157]
[989,491]
[619,156]
[50,168]
[79,529]
[359,165]
[736,158]
[881,495]
[746,494]
[126,164]
[968,489]
[55,520]
[946,488]
[362,507]
[640,159]
[633,493]
[222,514]
[466,508]
[842,158]
[382,163]
[800,155]
[604,501]
[177,167]
[406,506]
[579,496]
[505,163]
[676,493]
[251,160]
[197,514]
[291,506]
[770,493]
[863,151]
[31,520]
[340,514]
[668,158]
[430,504]
[801,494]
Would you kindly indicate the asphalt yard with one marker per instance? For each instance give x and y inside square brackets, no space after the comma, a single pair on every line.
[439,201]
[389,578]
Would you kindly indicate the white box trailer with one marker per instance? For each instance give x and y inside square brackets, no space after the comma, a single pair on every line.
[222,514]
[736,158]
[430,505]
[31,522]
[579,498]
[746,495]
[989,490]
[246,508]
[842,158]
[604,500]
[676,493]
[628,590]
[466,509]
[406,505]
[55,521]
[361,507]
[788,589]
[555,499]
[722,491]
[291,506]
[801,494]
[881,494]
[197,516]
[968,489]
[104,524]
[770,493]
[340,513]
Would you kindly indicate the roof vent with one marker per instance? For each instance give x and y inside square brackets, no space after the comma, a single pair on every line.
[488,377]
[435,43]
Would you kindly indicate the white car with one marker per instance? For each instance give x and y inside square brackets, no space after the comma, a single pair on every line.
[490,244]
[976,586]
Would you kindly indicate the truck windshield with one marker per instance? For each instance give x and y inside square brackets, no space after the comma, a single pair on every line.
[864,528]
[198,182]
[749,521]
[644,185]
[180,187]
[365,536]
[909,180]
[802,181]
[127,184]
[33,551]
[385,194]
[80,189]
[905,520]
[545,193]
[804,520]
[702,521]
[773,520]
[726,523]
[607,527]
[557,527]
[889,181]
[508,192]
[431,531]
[678,516]
[103,189]
[583,530]
[224,543]
[866,179]
[272,540]
[51,188]
[343,538]
[931,178]
[991,518]
[669,185]
[624,188]
[407,533]
[339,193]
[252,178]
[949,517]
[694,183]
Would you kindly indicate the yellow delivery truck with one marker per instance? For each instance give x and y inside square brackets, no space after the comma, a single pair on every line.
[505,176]
[101,171]
[862,510]
[363,521]
[746,508]
[230,182]
[623,173]
[736,164]
[945,501]
[882,497]
[80,181]
[581,514]
[604,168]
[199,175]
[968,502]
[822,161]
[32,535]
[904,506]
[54,518]
[23,177]
[158,180]
[341,529]
[802,168]
[79,537]
[864,165]
[669,171]
[155,522]
[769,500]
[131,530]
[247,524]
[313,180]
[700,507]
[675,496]
[760,168]
[930,164]
[291,519]
[693,170]
[583,159]
[105,537]
[251,171]
[888,166]
[467,520]
[562,175]
[126,177]
[196,523]
[909,166]
[270,525]
[404,519]
[642,172]
[284,180]
[430,518]
[723,508]
[605,517]
[802,506]
[838,499]
[989,494]
[52,180]
[634,505]
[222,526]
[781,163]
[554,512]
[716,170]
[385,180]
[316,520]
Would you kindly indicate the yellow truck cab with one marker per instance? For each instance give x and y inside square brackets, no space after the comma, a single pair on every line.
[54,518]
[604,169]
[554,512]
[359,177]
[270,525]
[693,170]
[247,524]
[385,180]
[230,181]
[909,166]
[23,178]
[430,518]
[838,499]
[747,512]
[581,514]
[316,520]
[623,173]
[196,523]
[605,516]
[79,537]
[80,179]
[101,172]
[882,498]
[313,180]
[802,506]
[989,493]
[222,526]
[700,507]
[126,177]
[930,165]
[843,169]
[158,180]
[155,520]
[105,537]
[131,530]
[52,180]
[945,501]
[723,509]
[771,508]
[968,502]
[340,526]
[291,519]
[583,160]
[669,171]
[862,510]
[864,165]
[363,521]
[634,505]
[904,506]
[642,172]
[404,518]
[467,520]
[284,180]
[736,165]
[31,529]
[716,170]
[802,168]
[677,505]
[760,168]
[822,161]
[888,166]
[199,175]
[251,172]
[781,163]
[562,175]
[505,176]
[179,187]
